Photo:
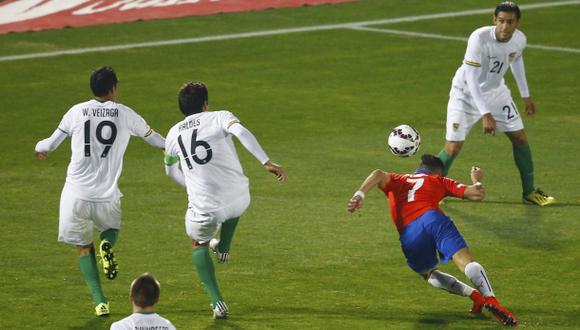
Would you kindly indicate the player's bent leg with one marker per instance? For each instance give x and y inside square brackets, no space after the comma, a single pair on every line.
[107,259]
[448,154]
[222,246]
[477,275]
[461,258]
[447,282]
[90,271]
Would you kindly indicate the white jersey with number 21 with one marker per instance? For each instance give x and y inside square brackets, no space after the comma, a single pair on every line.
[494,58]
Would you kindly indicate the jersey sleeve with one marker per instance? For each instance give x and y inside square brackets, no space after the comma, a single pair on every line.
[473,53]
[227,119]
[393,184]
[171,146]
[67,122]
[453,188]
[137,125]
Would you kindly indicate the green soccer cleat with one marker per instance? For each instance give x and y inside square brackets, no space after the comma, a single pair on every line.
[102,309]
[538,197]
[107,259]
[221,257]
[220,310]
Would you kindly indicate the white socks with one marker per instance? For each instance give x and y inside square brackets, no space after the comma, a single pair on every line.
[449,283]
[478,277]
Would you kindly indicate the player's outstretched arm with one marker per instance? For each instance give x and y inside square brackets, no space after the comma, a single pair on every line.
[155,139]
[249,141]
[476,191]
[377,178]
[50,144]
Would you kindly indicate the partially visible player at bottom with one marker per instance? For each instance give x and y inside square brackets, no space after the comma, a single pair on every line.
[217,188]
[100,130]
[144,296]
[425,230]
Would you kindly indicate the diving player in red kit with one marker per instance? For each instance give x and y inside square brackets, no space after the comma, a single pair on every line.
[426,231]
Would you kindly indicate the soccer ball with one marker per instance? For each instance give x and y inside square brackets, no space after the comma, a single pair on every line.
[404,141]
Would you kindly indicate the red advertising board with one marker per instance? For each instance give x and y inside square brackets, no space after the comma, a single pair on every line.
[27,15]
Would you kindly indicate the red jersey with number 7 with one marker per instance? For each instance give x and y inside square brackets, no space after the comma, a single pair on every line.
[411,195]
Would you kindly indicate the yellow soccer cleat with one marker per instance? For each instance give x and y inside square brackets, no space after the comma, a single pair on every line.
[102,309]
[538,197]
[107,259]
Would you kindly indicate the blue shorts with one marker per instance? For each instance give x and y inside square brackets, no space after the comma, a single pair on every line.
[431,233]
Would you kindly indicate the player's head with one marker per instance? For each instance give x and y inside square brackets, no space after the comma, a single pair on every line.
[192,98]
[103,81]
[431,163]
[145,291]
[506,18]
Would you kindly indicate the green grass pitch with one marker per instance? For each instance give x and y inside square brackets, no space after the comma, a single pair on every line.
[321,103]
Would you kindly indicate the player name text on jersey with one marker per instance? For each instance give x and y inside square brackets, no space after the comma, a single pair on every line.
[101,112]
[189,124]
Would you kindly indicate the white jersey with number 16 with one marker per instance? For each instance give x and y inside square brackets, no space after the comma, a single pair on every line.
[208,159]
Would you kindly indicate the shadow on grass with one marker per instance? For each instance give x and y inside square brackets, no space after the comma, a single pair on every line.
[527,227]
[557,204]
[454,321]
[96,323]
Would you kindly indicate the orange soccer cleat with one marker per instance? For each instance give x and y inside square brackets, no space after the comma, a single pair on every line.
[478,302]
[500,313]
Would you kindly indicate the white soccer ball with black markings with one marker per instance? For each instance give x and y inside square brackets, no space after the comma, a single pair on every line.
[404,141]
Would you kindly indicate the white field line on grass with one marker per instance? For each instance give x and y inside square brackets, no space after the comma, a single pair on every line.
[444,37]
[313,28]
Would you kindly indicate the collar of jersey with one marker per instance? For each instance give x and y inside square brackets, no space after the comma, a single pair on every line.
[422,172]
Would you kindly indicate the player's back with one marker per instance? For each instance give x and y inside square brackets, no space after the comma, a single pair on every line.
[143,321]
[213,174]
[411,195]
[100,133]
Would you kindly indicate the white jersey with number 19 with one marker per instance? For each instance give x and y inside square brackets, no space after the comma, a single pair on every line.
[213,174]
[100,133]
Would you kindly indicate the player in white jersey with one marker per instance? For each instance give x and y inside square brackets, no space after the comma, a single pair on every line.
[144,296]
[100,130]
[478,91]
[216,185]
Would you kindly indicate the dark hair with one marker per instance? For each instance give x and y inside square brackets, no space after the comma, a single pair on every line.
[103,80]
[145,290]
[509,7]
[192,97]
[431,163]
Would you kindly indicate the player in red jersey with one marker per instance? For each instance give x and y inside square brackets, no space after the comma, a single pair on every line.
[426,231]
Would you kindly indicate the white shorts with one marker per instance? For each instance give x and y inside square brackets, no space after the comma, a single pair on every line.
[202,227]
[462,113]
[78,218]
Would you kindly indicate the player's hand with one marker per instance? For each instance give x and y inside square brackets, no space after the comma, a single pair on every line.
[476,174]
[530,106]
[277,170]
[41,155]
[355,203]
[488,124]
